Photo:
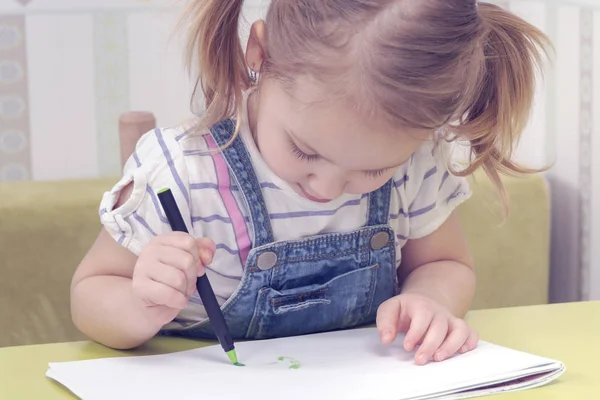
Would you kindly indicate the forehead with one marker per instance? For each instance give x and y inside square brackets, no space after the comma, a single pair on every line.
[337,129]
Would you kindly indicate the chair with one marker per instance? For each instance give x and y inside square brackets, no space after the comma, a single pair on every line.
[132,125]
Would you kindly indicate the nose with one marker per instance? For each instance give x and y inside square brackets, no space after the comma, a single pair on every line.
[327,187]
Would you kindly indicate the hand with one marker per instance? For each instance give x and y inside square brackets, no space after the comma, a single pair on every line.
[165,274]
[427,324]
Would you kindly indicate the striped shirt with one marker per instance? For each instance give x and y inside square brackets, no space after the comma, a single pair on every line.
[423,196]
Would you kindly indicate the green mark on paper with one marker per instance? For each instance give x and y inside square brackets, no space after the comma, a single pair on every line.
[294,364]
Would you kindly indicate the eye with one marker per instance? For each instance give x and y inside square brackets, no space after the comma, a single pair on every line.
[376,174]
[302,155]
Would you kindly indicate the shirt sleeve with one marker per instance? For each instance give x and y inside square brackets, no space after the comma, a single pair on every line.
[432,191]
[157,163]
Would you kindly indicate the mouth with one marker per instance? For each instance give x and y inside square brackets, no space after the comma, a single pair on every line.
[311,197]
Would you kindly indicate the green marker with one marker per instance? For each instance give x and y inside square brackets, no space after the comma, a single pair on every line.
[233,357]
[202,284]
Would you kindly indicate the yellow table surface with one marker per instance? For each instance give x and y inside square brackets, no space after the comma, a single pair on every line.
[565,332]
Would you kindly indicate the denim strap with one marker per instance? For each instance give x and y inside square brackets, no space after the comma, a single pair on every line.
[240,165]
[379,205]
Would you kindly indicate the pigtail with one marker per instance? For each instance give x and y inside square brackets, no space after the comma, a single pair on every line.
[214,49]
[502,101]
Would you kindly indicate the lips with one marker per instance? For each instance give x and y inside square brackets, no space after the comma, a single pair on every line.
[311,197]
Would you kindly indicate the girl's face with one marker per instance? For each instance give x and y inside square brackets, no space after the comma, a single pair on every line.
[322,148]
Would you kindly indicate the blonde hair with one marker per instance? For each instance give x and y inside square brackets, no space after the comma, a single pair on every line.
[463,67]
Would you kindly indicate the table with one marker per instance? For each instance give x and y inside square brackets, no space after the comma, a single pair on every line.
[566,332]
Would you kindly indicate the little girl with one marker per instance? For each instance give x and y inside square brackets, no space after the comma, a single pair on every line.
[317,185]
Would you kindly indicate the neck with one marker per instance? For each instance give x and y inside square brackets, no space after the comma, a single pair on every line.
[252,107]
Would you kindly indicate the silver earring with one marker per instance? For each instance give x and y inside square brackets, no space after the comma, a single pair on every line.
[253,77]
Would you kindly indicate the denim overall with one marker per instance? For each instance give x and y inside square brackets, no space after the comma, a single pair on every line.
[314,284]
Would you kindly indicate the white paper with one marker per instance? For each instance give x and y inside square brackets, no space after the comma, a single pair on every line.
[352,365]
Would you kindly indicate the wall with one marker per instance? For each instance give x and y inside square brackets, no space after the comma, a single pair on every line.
[68,68]
[565,134]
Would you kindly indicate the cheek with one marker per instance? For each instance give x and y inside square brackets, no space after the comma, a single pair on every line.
[287,167]
[278,157]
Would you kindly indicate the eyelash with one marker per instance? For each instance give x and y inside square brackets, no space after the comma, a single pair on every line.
[302,155]
[314,157]
[376,174]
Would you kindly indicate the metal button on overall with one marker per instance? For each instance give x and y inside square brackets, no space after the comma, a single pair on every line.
[379,240]
[266,260]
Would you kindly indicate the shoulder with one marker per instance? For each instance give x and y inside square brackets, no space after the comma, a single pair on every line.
[425,163]
[172,155]
[434,163]
[160,147]
[430,189]
[130,210]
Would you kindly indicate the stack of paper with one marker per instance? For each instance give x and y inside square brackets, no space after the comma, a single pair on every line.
[340,365]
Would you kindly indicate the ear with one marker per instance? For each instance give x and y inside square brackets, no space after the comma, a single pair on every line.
[257,45]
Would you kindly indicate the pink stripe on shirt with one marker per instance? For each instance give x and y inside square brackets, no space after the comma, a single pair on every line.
[224,183]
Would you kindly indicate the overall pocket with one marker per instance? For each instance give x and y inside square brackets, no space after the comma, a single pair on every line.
[343,302]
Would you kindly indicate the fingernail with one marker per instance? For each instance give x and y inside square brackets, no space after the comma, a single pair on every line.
[440,356]
[421,359]
[463,349]
[386,336]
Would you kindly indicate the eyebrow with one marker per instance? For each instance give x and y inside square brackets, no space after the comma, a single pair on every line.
[316,153]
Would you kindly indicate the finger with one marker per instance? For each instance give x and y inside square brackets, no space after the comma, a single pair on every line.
[471,342]
[458,336]
[438,329]
[159,294]
[419,323]
[387,319]
[180,240]
[207,249]
[169,276]
[183,261]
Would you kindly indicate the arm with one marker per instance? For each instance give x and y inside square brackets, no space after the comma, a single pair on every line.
[121,300]
[103,306]
[439,266]
[102,303]
[139,274]
[438,288]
